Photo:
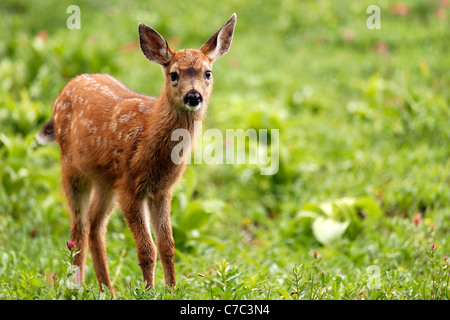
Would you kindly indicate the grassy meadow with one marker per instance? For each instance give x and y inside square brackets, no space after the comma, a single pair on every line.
[360,205]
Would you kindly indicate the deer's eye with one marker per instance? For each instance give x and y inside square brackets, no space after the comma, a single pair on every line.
[208,74]
[173,76]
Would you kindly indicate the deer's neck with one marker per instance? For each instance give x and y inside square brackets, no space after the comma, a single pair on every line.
[168,118]
[155,161]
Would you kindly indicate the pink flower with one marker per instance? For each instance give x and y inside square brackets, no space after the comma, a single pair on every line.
[42,35]
[54,277]
[440,13]
[433,246]
[348,35]
[315,254]
[400,9]
[445,258]
[416,220]
[381,47]
[70,245]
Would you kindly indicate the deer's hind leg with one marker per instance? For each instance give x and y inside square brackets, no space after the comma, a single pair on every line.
[100,207]
[77,188]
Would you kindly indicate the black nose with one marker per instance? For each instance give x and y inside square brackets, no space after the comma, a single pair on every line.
[193,98]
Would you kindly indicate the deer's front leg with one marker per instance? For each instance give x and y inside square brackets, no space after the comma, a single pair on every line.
[137,217]
[162,228]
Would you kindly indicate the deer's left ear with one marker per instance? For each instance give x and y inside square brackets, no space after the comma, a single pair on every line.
[220,42]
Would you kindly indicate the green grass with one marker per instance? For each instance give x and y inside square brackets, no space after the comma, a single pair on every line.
[364,141]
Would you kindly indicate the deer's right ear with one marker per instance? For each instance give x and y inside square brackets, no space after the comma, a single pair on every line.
[154,46]
[220,41]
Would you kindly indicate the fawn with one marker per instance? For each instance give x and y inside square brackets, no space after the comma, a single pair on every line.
[116,146]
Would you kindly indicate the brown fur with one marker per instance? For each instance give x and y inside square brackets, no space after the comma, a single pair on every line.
[116,145]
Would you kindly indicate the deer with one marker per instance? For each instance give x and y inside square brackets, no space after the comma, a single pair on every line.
[116,148]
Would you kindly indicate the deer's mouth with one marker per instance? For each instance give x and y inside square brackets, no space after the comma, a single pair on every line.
[193,108]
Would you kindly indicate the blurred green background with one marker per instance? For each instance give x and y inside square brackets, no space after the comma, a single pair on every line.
[363,117]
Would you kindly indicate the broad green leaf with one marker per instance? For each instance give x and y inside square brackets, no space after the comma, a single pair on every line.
[194,216]
[328,230]
[209,240]
[370,206]
[311,207]
[308,214]
[327,208]
[179,235]
[284,293]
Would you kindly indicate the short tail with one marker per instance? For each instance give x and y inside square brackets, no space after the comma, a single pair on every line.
[47,133]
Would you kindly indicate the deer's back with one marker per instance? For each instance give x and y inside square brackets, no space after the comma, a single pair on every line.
[99,123]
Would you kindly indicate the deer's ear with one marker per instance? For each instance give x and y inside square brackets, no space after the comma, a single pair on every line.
[154,46]
[220,42]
